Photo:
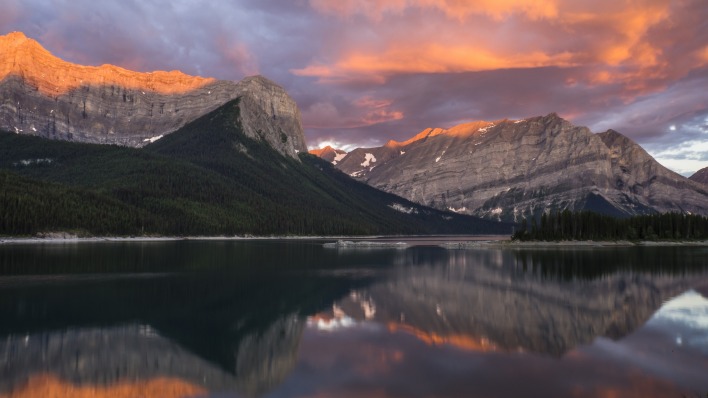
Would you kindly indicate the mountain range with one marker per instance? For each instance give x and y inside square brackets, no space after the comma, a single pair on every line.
[210,163]
[513,169]
[45,96]
[195,155]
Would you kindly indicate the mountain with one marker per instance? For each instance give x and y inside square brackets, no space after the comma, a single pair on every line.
[329,154]
[45,96]
[700,176]
[507,170]
[208,178]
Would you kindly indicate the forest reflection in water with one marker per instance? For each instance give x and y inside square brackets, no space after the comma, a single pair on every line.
[289,318]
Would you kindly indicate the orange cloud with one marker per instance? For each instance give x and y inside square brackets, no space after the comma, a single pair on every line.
[611,39]
[702,55]
[428,58]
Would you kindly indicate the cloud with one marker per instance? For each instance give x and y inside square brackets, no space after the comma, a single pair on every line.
[366,71]
[427,58]
[453,9]
[362,112]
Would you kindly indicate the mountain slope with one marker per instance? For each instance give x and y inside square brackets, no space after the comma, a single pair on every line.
[700,176]
[511,169]
[45,96]
[211,178]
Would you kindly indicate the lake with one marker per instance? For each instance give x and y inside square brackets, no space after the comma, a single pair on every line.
[290,318]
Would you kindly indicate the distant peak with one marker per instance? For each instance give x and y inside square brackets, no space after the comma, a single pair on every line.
[24,57]
[320,151]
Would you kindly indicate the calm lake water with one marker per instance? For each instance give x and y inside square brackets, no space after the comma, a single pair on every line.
[294,319]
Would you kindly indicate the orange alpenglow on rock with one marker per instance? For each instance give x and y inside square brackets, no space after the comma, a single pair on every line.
[22,56]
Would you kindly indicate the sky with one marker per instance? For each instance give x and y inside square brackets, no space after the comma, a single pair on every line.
[366,71]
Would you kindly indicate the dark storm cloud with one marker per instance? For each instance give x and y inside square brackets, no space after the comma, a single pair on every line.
[366,71]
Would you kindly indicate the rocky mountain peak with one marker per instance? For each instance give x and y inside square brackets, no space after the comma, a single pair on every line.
[329,154]
[269,113]
[45,96]
[510,169]
[27,59]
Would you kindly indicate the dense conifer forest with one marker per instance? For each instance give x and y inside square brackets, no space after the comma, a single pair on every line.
[567,225]
[208,178]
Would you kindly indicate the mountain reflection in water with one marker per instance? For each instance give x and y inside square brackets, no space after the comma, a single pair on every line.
[293,319]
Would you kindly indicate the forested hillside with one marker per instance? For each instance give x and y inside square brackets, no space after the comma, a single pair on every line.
[568,225]
[208,178]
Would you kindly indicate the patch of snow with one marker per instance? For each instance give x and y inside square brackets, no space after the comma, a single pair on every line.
[497,211]
[143,92]
[403,209]
[439,157]
[356,173]
[368,159]
[371,168]
[403,152]
[33,129]
[52,111]
[519,121]
[338,157]
[486,128]
[297,151]
[460,210]
[153,139]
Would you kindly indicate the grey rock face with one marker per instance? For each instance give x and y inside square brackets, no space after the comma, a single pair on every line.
[268,113]
[44,96]
[700,176]
[507,170]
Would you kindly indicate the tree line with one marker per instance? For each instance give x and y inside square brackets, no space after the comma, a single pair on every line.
[567,225]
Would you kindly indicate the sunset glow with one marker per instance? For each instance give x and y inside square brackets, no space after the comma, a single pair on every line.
[368,71]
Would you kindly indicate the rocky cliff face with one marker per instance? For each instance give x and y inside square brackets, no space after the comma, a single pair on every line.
[44,96]
[510,169]
[700,176]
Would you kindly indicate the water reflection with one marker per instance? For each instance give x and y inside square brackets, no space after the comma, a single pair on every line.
[293,319]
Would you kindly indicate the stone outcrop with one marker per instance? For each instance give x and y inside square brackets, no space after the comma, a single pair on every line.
[45,96]
[700,176]
[508,170]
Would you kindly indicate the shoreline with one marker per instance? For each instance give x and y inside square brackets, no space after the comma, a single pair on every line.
[569,244]
[95,239]
[455,241]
